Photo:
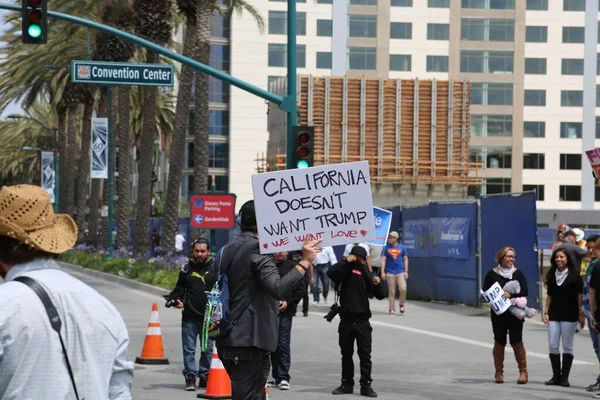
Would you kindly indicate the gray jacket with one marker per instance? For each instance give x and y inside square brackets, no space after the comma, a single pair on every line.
[254,277]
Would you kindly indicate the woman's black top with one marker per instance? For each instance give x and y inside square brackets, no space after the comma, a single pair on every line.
[564,305]
[492,277]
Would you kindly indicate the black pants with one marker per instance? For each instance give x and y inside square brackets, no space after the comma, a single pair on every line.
[305,298]
[281,359]
[248,369]
[360,331]
[507,323]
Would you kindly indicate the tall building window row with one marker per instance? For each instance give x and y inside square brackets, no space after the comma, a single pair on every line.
[536,34]
[324,60]
[438,3]
[437,64]
[492,156]
[539,191]
[499,94]
[571,98]
[402,3]
[487,62]
[572,66]
[401,30]
[570,161]
[571,130]
[489,4]
[536,66]
[278,55]
[488,29]
[537,5]
[278,23]
[569,193]
[438,31]
[534,161]
[362,26]
[491,125]
[362,58]
[573,34]
[400,62]
[535,97]
[574,5]
[363,2]
[534,129]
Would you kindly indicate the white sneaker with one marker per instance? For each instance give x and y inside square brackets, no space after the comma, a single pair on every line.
[284,385]
[316,303]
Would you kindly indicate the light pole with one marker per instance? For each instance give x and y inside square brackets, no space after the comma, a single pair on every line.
[54,152]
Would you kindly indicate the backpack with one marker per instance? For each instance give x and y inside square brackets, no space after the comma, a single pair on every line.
[217,321]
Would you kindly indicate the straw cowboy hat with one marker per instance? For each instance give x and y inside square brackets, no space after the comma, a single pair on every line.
[26,214]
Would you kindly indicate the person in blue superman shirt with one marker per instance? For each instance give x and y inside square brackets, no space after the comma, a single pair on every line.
[394,269]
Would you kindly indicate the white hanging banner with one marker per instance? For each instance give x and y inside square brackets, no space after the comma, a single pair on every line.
[48,174]
[99,167]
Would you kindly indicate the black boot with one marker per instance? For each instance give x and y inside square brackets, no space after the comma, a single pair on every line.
[367,390]
[555,361]
[345,388]
[566,369]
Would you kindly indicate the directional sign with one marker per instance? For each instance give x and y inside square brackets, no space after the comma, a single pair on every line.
[112,73]
[212,211]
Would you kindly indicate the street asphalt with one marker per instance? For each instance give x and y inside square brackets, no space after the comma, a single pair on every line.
[434,351]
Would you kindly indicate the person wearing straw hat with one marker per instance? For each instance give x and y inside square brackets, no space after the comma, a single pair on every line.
[82,352]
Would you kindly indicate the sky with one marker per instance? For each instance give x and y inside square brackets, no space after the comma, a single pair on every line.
[12,108]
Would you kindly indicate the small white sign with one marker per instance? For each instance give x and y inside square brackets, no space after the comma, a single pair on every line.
[494,296]
[331,202]
[104,211]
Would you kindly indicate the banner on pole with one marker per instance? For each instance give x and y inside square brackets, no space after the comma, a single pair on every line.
[449,237]
[99,167]
[594,159]
[48,174]
[494,297]
[383,222]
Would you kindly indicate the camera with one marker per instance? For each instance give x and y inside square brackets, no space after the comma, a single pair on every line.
[333,311]
[171,301]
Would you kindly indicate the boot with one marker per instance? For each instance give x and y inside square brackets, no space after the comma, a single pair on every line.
[367,390]
[345,388]
[520,356]
[555,361]
[566,369]
[498,353]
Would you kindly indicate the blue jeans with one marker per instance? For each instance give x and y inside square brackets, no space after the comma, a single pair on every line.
[321,272]
[558,329]
[190,336]
[281,358]
[595,340]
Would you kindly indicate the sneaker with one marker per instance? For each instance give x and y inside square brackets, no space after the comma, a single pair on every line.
[595,387]
[401,309]
[203,381]
[596,395]
[344,390]
[315,302]
[305,314]
[392,312]
[284,385]
[271,383]
[190,382]
[367,390]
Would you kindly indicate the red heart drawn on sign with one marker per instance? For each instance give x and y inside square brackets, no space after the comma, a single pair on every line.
[363,233]
[266,245]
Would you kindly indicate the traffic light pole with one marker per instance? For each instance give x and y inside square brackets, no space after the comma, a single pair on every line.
[110,137]
[292,111]
[56,170]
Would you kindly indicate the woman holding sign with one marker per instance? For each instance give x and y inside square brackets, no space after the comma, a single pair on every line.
[505,322]
[563,310]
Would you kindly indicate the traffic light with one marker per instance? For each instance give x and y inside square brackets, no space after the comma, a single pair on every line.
[34,24]
[303,156]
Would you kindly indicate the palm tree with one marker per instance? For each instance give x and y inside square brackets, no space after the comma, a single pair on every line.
[83,172]
[152,22]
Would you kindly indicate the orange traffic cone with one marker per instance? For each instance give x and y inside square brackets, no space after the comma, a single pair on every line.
[266,392]
[219,384]
[152,352]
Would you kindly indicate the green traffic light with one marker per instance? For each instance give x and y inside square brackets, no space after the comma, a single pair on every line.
[34,31]
[302,164]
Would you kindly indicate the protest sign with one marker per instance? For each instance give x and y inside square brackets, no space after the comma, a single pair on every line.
[383,222]
[332,203]
[494,296]
[594,159]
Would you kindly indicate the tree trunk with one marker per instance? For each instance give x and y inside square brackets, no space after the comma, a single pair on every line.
[124,187]
[182,113]
[62,151]
[83,172]
[104,229]
[148,134]
[203,23]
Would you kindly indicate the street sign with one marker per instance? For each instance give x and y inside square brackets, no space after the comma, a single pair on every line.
[113,73]
[212,211]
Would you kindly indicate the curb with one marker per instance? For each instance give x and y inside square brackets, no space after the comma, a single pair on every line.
[144,287]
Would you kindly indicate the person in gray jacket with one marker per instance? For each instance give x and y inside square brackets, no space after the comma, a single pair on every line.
[569,245]
[255,287]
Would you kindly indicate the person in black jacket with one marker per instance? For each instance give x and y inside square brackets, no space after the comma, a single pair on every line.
[195,278]
[355,282]
[281,358]
[506,323]
[255,287]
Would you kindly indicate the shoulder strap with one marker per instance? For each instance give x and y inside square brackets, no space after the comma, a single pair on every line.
[54,319]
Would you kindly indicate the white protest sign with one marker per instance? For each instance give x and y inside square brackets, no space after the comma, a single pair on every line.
[331,202]
[494,296]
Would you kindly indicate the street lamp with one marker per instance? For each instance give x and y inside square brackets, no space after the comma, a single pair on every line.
[54,152]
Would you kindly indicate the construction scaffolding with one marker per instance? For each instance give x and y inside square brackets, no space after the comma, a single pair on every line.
[410,131]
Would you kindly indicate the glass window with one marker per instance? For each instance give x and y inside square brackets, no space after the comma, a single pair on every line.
[362,58]
[537,5]
[324,1]
[437,63]
[571,98]
[574,5]
[402,3]
[218,91]
[324,60]
[218,155]
[570,193]
[364,26]
[488,62]
[499,94]
[400,62]
[539,191]
[489,4]
[438,31]
[536,34]
[570,161]
[220,57]
[401,30]
[220,26]
[572,66]
[489,125]
[535,97]
[488,29]
[324,27]
[534,129]
[534,161]
[221,183]
[278,55]
[492,156]
[278,23]
[218,123]
[497,185]
[597,127]
[570,130]
[573,34]
[438,3]
[363,2]
[535,66]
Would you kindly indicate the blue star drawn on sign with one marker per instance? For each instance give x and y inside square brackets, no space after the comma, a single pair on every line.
[198,219]
[198,203]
